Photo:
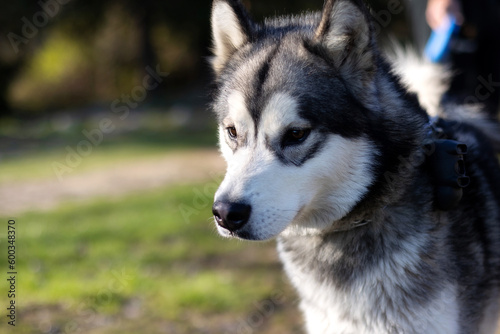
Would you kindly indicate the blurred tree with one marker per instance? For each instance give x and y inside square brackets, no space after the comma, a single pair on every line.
[10,60]
[99,49]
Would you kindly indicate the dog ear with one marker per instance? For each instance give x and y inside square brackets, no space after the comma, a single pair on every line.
[345,31]
[231,29]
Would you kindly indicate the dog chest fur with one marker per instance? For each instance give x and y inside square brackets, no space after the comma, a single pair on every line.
[381,287]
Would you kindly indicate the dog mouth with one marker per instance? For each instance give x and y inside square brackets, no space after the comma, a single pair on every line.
[240,234]
[244,230]
[245,236]
[243,233]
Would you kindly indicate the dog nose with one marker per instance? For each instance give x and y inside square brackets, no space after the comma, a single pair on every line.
[231,216]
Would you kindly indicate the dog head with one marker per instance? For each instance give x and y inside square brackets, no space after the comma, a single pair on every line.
[293,102]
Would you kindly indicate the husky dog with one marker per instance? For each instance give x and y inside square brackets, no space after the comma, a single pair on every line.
[330,152]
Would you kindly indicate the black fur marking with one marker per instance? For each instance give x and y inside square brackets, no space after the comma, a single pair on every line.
[295,156]
[311,153]
[255,101]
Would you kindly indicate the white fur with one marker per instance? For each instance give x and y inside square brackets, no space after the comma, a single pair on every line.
[428,80]
[308,198]
[341,176]
[228,35]
[373,301]
[280,112]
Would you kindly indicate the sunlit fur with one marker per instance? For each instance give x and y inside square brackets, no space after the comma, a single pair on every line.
[352,204]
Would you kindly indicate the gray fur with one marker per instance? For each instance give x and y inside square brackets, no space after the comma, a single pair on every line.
[393,263]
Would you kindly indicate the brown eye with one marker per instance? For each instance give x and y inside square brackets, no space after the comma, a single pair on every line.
[298,134]
[295,136]
[232,132]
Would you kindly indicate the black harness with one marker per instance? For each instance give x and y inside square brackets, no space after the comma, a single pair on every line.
[446,167]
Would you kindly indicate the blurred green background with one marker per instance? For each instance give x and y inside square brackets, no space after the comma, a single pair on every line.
[108,165]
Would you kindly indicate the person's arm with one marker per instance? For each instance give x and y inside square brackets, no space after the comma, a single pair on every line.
[437,11]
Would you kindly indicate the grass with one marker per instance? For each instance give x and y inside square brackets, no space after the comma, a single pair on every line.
[129,147]
[109,266]
[148,262]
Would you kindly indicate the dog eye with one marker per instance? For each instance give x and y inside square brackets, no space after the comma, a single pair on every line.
[232,132]
[295,136]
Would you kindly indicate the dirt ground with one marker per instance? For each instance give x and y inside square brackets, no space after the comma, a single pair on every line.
[182,167]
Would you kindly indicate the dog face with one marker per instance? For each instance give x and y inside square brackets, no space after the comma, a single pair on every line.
[290,128]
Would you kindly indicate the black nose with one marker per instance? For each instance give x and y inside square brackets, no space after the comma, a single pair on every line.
[231,216]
